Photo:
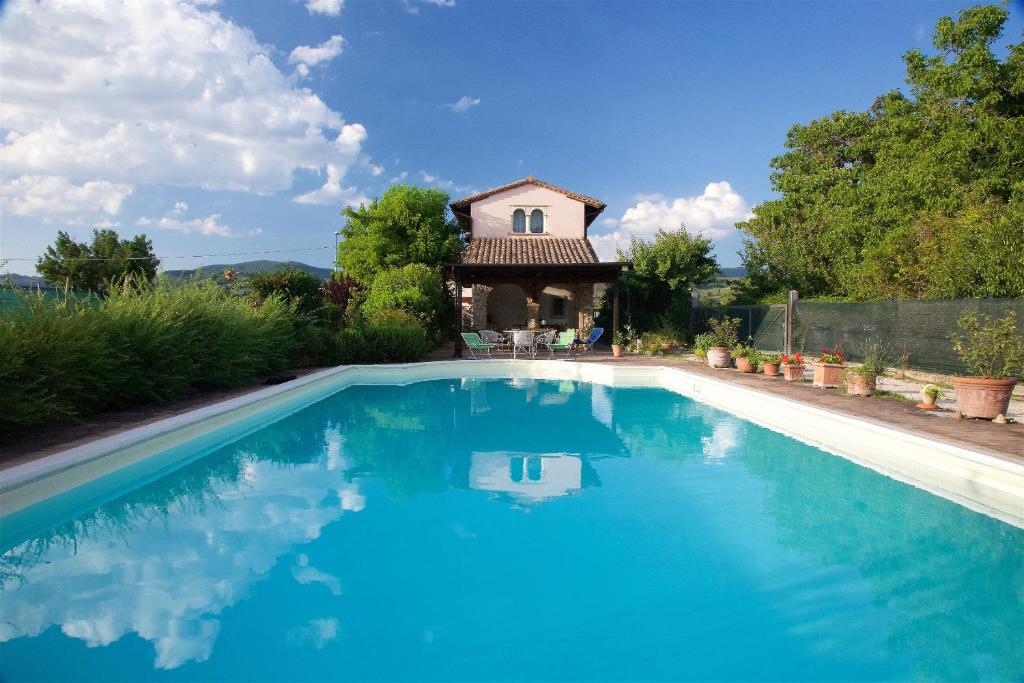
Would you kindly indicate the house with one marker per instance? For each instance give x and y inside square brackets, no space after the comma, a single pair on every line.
[529,262]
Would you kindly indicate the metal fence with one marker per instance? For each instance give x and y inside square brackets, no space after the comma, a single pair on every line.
[912,333]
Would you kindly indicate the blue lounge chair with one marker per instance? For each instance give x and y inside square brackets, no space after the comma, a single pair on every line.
[588,343]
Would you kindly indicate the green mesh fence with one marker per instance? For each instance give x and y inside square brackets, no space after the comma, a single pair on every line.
[765,325]
[913,333]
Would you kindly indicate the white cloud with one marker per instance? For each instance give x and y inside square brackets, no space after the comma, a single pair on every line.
[464,104]
[52,196]
[322,53]
[711,214]
[109,95]
[331,192]
[329,7]
[442,183]
[210,225]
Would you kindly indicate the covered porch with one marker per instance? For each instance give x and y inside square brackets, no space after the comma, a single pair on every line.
[533,296]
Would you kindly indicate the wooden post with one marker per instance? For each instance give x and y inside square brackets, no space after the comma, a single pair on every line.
[457,353]
[787,332]
[615,308]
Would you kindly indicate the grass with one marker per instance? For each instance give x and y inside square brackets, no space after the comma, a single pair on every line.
[885,393]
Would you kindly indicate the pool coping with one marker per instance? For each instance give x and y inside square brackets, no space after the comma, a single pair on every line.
[978,480]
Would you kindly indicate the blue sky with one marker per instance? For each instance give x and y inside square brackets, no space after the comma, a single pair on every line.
[233,128]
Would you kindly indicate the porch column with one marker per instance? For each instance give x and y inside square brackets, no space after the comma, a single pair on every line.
[457,353]
[479,313]
[584,295]
[533,306]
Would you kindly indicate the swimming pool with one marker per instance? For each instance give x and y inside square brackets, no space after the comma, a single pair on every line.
[506,529]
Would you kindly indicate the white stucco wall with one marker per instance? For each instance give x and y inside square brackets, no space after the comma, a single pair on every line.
[563,217]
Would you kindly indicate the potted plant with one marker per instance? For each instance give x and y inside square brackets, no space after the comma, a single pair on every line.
[792,366]
[828,371]
[746,358]
[618,343]
[929,395]
[724,333]
[770,364]
[861,380]
[701,344]
[992,350]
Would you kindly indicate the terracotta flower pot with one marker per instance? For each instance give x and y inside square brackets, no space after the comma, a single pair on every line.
[617,350]
[792,373]
[771,369]
[743,364]
[860,384]
[666,346]
[984,397]
[827,375]
[718,357]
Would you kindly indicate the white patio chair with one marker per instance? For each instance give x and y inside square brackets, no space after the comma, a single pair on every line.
[523,339]
[492,337]
[544,339]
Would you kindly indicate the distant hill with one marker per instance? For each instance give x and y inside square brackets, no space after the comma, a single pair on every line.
[247,268]
[738,271]
[31,281]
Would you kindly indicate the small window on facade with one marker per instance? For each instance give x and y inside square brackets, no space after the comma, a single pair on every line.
[518,221]
[536,221]
[557,307]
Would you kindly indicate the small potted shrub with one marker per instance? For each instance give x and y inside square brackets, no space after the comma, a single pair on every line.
[929,395]
[618,343]
[770,364]
[701,344]
[792,366]
[668,341]
[828,371]
[746,358]
[861,380]
[723,333]
[992,350]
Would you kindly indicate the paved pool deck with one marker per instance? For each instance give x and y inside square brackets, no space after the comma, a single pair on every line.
[1005,441]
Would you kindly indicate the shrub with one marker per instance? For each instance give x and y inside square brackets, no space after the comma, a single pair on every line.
[771,358]
[62,360]
[381,344]
[393,317]
[724,331]
[748,352]
[990,347]
[296,286]
[416,289]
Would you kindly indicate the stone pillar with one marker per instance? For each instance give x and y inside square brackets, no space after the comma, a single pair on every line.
[584,306]
[480,293]
[533,306]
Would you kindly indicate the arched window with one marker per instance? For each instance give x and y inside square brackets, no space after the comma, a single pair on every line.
[518,221]
[536,221]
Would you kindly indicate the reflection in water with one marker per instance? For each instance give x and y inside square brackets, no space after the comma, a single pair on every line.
[827,567]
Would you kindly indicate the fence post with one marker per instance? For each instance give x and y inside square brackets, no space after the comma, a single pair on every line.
[787,333]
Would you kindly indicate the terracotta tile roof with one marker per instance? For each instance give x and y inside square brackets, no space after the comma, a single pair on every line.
[589,201]
[534,249]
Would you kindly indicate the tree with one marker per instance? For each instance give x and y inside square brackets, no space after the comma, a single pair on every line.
[658,284]
[919,197]
[416,289]
[296,286]
[94,267]
[406,225]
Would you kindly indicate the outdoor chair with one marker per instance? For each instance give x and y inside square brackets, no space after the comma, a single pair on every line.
[523,339]
[492,337]
[588,343]
[565,342]
[475,343]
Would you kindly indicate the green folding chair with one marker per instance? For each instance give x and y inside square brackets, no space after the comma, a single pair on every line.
[475,343]
[564,342]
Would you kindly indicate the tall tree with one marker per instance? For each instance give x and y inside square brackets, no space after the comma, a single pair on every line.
[922,196]
[94,266]
[406,225]
[658,284]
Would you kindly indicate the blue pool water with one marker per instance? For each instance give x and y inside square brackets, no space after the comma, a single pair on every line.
[509,530]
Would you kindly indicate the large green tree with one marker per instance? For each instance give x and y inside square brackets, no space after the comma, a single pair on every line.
[95,266]
[658,285]
[922,196]
[406,225]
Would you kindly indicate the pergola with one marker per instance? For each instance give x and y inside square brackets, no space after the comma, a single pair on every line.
[533,278]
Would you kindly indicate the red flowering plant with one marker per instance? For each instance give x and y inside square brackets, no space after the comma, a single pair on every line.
[833,357]
[791,359]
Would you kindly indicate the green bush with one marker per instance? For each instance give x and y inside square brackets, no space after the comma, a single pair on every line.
[416,289]
[393,317]
[381,344]
[61,361]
